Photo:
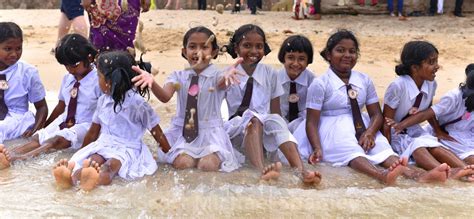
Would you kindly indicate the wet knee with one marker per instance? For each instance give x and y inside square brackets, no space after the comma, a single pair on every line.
[254,125]
[207,165]
[183,163]
[61,143]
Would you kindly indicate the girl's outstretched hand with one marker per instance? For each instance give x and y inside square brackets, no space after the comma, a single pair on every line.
[391,122]
[316,156]
[143,79]
[231,75]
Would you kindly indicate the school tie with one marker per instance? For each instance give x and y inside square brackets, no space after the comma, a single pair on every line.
[415,105]
[71,109]
[293,105]
[246,100]
[356,116]
[3,105]
[191,126]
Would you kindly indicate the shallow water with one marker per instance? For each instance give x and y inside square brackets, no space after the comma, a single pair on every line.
[28,190]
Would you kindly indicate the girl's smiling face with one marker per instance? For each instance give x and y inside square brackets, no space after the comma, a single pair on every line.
[10,52]
[343,57]
[251,48]
[428,68]
[196,46]
[295,63]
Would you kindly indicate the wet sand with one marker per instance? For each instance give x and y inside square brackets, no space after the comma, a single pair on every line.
[28,188]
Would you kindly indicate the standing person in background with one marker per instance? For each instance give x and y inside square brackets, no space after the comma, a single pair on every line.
[399,9]
[169,2]
[458,8]
[72,15]
[315,10]
[201,4]
[253,4]
[114,22]
[436,6]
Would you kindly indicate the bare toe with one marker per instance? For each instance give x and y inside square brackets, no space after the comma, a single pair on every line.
[62,173]
[311,178]
[271,171]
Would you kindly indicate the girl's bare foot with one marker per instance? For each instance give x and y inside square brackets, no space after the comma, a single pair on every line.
[311,177]
[390,175]
[62,172]
[438,174]
[272,171]
[89,175]
[462,173]
[4,157]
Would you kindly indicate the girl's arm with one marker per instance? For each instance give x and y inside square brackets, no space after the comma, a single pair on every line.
[92,134]
[312,131]
[367,139]
[275,106]
[145,79]
[40,117]
[160,138]
[388,113]
[438,131]
[411,120]
[58,110]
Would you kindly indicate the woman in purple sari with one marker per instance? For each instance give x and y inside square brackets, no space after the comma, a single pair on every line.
[114,22]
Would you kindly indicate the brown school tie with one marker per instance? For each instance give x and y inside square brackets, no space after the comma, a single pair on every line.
[415,105]
[191,126]
[3,105]
[293,107]
[356,116]
[72,106]
[246,100]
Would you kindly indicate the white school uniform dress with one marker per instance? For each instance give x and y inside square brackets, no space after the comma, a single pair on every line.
[212,137]
[89,93]
[121,135]
[339,145]
[451,107]
[266,86]
[302,83]
[401,95]
[24,85]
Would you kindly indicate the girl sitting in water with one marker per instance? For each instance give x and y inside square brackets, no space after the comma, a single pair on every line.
[113,145]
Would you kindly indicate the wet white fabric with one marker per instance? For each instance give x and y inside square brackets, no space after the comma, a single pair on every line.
[121,135]
[450,107]
[339,145]
[400,95]
[266,86]
[89,93]
[212,137]
[24,87]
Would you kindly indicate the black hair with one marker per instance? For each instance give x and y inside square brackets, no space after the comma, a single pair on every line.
[414,53]
[335,38]
[116,66]
[74,48]
[240,34]
[296,43]
[467,90]
[469,68]
[10,30]
[200,29]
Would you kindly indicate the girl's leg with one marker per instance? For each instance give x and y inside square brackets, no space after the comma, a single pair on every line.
[438,174]
[424,159]
[253,144]
[210,162]
[63,27]
[428,160]
[79,26]
[33,144]
[57,143]
[395,167]
[184,161]
[290,150]
[444,155]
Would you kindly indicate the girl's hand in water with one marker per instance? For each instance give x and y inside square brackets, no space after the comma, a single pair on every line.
[316,156]
[143,79]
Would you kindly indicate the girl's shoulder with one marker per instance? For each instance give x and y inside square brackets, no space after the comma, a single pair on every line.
[25,69]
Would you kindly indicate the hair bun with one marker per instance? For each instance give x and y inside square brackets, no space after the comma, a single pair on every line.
[401,69]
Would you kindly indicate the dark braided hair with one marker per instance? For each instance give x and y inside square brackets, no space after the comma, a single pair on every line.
[116,66]
[240,34]
[467,90]
[414,53]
